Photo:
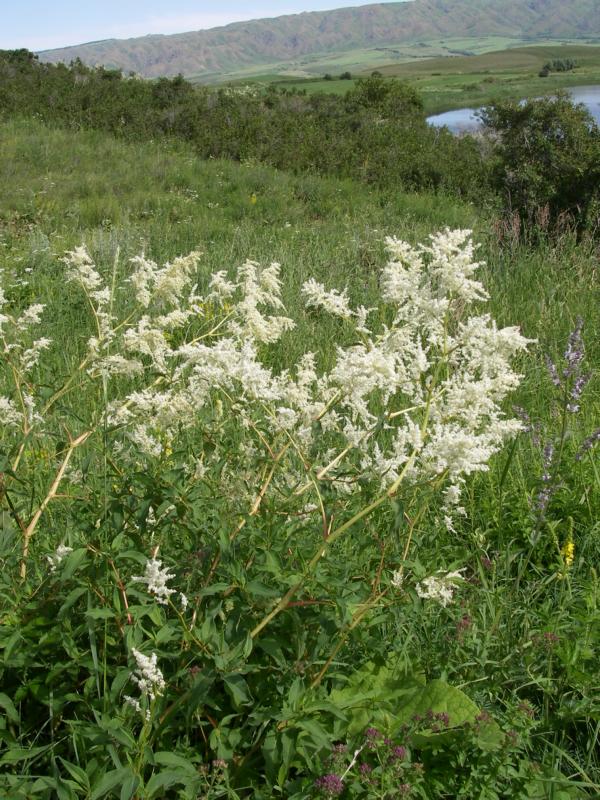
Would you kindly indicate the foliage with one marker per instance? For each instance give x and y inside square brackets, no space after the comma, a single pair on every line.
[503,672]
[547,159]
[377,134]
[215,669]
[557,65]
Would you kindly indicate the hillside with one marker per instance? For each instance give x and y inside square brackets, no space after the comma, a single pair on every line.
[218,51]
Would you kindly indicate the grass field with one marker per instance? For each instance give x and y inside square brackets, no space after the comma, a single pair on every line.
[456,81]
[242,712]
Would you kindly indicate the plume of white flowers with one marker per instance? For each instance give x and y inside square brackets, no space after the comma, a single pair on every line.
[440,587]
[419,398]
[155,578]
[82,269]
[333,302]
[147,676]
[436,377]
[54,559]
[10,416]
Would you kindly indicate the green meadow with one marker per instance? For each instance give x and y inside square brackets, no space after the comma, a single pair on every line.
[471,79]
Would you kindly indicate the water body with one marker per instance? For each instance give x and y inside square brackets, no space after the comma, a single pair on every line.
[464,120]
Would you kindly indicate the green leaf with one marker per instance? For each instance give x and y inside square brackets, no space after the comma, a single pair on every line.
[388,698]
[258,589]
[7,704]
[121,679]
[129,787]
[439,697]
[17,754]
[237,689]
[110,780]
[71,563]
[70,601]
[12,645]
[167,759]
[76,772]
[319,736]
[161,781]
[100,613]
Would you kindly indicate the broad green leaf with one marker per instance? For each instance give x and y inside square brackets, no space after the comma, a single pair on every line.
[17,754]
[70,601]
[110,781]
[129,787]
[71,563]
[166,758]
[100,613]
[7,704]
[321,738]
[161,781]
[76,772]
[237,689]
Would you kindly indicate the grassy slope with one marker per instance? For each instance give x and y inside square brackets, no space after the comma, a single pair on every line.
[508,74]
[462,81]
[386,59]
[168,202]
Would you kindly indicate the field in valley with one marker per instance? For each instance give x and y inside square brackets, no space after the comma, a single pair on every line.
[458,81]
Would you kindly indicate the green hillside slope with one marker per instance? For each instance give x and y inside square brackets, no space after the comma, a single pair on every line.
[288,38]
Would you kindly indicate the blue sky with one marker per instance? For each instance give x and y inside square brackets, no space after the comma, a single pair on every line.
[43,24]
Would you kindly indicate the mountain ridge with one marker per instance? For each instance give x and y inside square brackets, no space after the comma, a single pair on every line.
[290,37]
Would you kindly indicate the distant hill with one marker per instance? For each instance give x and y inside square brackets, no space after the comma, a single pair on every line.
[243,45]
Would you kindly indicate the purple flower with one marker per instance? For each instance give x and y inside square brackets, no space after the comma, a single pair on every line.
[524,417]
[574,351]
[399,753]
[365,769]
[548,455]
[552,371]
[587,444]
[576,392]
[332,785]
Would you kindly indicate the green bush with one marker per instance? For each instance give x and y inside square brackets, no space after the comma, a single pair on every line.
[547,160]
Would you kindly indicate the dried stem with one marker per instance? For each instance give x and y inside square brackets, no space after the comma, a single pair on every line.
[30,529]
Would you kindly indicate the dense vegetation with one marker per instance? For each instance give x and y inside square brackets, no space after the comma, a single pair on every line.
[376,133]
[230,571]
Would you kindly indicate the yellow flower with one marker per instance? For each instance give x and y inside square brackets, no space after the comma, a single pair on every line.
[567,551]
[253,199]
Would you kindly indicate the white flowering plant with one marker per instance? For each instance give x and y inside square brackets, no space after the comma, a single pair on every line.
[283,498]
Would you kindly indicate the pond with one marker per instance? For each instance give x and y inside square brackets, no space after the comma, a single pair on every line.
[464,120]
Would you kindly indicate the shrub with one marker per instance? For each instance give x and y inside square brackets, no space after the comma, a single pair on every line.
[547,158]
[263,492]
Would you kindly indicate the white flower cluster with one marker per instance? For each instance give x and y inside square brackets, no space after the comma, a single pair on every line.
[333,302]
[147,676]
[22,352]
[155,577]
[54,559]
[417,399]
[440,587]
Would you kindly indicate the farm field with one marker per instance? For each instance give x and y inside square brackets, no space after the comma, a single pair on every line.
[223,598]
[473,80]
[315,65]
